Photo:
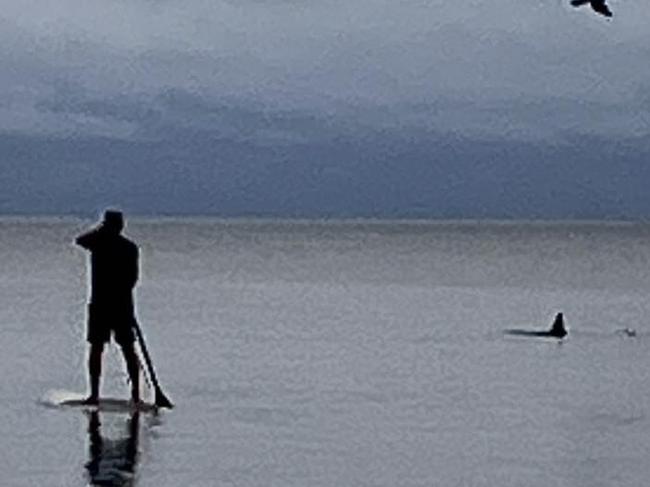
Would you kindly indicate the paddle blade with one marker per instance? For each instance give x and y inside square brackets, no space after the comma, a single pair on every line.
[161,400]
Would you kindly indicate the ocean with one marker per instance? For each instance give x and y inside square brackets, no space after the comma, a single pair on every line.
[354,353]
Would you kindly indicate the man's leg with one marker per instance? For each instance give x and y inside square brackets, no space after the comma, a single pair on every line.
[133,367]
[94,371]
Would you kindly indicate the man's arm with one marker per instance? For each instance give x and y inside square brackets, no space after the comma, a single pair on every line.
[132,269]
[89,239]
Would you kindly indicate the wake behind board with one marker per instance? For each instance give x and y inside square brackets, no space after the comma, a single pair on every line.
[66,400]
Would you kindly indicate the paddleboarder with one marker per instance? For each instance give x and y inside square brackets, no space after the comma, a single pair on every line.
[114,274]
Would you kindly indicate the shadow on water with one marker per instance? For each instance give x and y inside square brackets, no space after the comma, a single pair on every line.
[112,461]
[557,330]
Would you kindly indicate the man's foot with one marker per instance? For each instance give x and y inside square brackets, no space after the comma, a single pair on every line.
[91,401]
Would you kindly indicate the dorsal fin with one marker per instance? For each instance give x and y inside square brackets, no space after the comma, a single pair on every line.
[558,328]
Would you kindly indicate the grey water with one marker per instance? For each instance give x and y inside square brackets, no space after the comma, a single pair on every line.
[340,354]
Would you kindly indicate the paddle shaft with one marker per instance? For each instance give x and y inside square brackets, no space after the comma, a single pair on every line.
[161,400]
[147,358]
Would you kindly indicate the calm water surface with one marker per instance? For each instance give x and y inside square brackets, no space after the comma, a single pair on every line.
[339,354]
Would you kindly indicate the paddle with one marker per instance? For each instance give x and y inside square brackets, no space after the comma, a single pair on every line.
[160,399]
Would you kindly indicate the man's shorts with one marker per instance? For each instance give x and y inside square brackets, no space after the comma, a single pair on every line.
[106,318]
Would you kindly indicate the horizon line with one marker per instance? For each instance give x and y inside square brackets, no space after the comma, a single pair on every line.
[257,219]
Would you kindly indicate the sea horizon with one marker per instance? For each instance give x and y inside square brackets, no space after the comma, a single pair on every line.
[408,221]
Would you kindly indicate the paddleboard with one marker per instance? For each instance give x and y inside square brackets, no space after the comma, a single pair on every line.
[72,400]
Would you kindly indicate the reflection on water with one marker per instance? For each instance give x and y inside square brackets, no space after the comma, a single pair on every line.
[112,461]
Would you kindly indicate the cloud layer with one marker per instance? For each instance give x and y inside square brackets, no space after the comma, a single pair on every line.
[209,86]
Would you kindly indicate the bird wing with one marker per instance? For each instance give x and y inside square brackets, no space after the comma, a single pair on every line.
[601,7]
[577,3]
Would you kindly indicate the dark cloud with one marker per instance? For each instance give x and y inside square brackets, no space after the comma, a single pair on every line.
[368,108]
[381,175]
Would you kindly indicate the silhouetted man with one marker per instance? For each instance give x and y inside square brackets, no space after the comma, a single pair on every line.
[114,273]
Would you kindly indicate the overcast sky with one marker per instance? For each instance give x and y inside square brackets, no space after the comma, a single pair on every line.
[337,108]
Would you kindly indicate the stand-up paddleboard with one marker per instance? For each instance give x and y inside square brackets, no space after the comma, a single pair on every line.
[73,400]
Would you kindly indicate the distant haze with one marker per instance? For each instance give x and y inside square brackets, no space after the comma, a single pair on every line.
[368,108]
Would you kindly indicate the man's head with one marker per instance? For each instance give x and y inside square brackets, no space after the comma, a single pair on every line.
[113,221]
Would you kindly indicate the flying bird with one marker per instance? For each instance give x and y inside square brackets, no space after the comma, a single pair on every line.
[598,5]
